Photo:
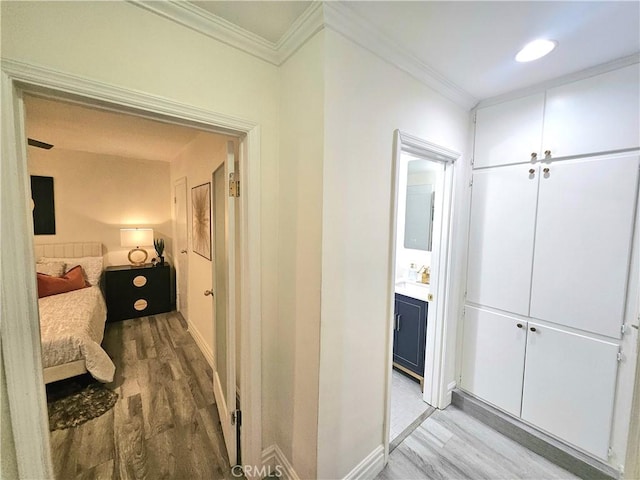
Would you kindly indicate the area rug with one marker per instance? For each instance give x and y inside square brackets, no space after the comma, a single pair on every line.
[77,400]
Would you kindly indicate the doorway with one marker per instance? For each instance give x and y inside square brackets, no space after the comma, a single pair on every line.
[182,245]
[419,283]
[20,338]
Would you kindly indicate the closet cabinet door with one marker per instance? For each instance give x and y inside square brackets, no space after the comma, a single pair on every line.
[493,347]
[598,114]
[583,242]
[509,132]
[501,237]
[569,384]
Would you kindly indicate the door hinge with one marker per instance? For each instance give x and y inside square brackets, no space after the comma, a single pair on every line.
[236,417]
[475,117]
[619,356]
[234,185]
[175,200]
[471,182]
[609,452]
[472,161]
[623,329]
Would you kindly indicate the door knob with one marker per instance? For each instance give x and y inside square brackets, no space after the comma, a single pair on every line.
[208,292]
[183,251]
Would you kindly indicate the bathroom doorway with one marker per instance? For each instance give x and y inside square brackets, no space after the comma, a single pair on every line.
[422,205]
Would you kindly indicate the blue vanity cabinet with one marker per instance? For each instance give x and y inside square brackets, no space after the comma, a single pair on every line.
[409,335]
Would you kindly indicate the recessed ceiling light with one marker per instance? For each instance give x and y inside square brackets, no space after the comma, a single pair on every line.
[535,50]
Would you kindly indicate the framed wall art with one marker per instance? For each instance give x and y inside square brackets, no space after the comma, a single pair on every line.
[44,214]
[201,219]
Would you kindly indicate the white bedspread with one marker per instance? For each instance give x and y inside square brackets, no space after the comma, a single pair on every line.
[72,328]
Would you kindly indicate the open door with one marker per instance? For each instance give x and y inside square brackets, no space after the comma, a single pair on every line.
[181,260]
[224,375]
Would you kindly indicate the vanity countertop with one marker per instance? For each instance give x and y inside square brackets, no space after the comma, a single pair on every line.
[419,291]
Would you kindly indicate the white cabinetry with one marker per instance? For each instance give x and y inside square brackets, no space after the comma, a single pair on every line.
[550,246]
[595,115]
[598,114]
[569,384]
[493,357]
[509,132]
[583,241]
[501,235]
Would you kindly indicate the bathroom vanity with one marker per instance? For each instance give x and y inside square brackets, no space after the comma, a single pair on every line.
[410,328]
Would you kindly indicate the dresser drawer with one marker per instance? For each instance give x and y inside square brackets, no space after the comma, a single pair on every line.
[137,291]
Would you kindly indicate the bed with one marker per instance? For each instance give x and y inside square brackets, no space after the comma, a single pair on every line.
[72,323]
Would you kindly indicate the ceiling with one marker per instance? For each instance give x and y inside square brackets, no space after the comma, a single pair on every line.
[473,44]
[70,126]
[267,19]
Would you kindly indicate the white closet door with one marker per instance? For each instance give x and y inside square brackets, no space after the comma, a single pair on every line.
[598,114]
[501,236]
[583,242]
[509,132]
[569,384]
[493,348]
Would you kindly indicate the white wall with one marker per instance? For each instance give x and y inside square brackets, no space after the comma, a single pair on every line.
[120,44]
[299,255]
[366,99]
[97,195]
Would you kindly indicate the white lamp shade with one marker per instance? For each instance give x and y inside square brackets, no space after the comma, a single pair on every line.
[136,237]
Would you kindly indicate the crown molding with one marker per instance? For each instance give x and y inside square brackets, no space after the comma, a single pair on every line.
[340,18]
[212,26]
[334,15]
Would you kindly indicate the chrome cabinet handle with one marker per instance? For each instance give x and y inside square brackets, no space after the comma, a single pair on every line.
[532,171]
[208,292]
[534,155]
[533,329]
[398,321]
[545,170]
[547,153]
[519,325]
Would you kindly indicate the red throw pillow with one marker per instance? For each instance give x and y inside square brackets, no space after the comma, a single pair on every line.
[72,280]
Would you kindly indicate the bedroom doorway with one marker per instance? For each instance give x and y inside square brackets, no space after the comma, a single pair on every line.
[21,339]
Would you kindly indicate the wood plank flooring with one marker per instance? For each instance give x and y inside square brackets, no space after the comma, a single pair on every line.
[451,444]
[165,424]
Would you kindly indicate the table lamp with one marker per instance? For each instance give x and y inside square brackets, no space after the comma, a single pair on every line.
[136,237]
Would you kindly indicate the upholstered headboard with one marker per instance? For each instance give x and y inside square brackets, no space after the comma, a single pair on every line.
[69,250]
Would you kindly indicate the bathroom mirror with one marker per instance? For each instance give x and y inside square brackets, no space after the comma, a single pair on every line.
[418,225]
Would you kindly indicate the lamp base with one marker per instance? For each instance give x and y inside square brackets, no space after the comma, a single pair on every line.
[138,256]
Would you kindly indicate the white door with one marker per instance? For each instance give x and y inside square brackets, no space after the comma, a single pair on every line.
[597,114]
[583,242]
[569,385]
[493,349]
[503,210]
[224,376]
[509,132]
[182,246]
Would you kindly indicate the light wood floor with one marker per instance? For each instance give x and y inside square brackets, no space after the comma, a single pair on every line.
[453,445]
[164,425]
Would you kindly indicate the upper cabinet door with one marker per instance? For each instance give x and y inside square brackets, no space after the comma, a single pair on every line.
[509,132]
[501,234]
[598,114]
[583,242]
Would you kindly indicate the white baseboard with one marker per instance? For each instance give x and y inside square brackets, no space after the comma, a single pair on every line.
[199,339]
[277,463]
[369,467]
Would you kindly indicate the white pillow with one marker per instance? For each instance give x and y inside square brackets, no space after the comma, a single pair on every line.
[92,266]
[53,269]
